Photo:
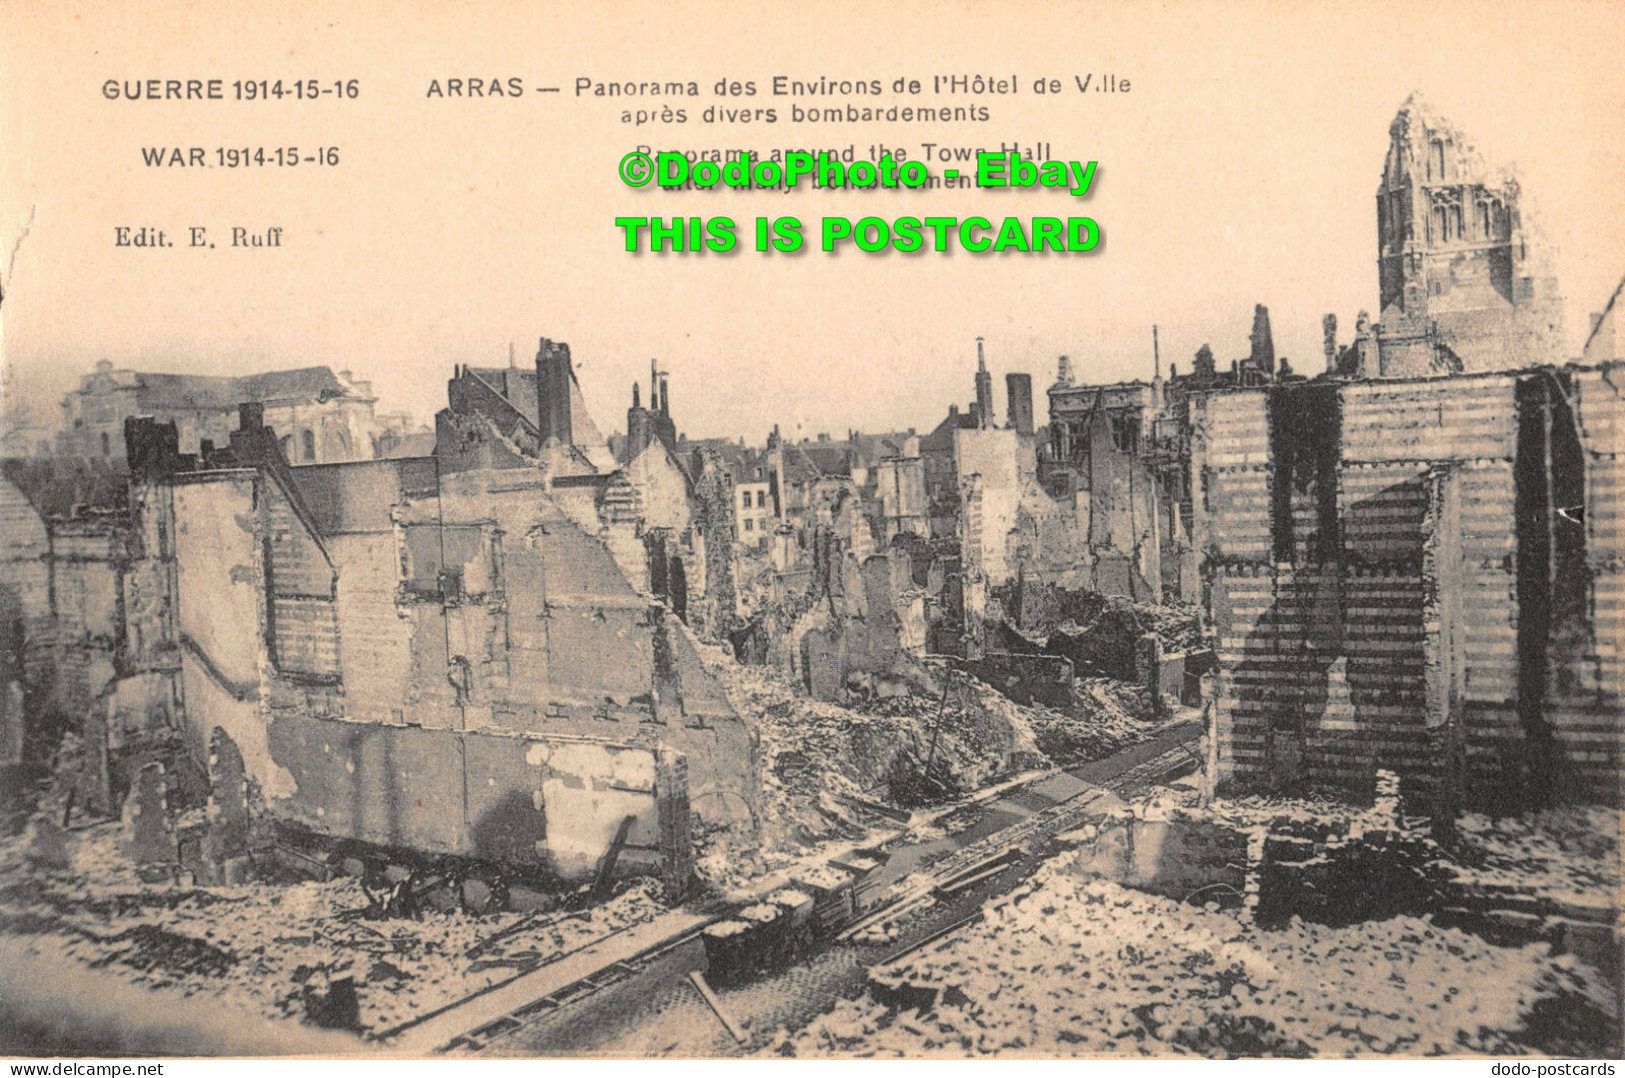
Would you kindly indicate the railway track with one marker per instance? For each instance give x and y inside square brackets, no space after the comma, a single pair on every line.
[958,882]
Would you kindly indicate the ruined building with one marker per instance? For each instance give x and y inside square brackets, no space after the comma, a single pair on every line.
[1415,572]
[440,654]
[654,423]
[1464,276]
[1421,575]
[1099,461]
[565,419]
[1118,454]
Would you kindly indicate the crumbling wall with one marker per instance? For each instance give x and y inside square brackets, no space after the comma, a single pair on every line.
[865,629]
[25,619]
[519,620]
[1028,679]
[25,546]
[713,525]
[619,505]
[1004,462]
[471,399]
[220,618]
[1314,529]
[1374,610]
[88,645]
[901,504]
[1569,716]
[1049,540]
[1183,857]
[549,805]
[464,763]
[663,486]
[85,599]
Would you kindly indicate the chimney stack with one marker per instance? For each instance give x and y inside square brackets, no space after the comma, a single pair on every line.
[984,390]
[1019,390]
[1156,373]
[638,428]
[554,378]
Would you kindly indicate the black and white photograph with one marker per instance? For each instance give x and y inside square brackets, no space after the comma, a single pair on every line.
[702,530]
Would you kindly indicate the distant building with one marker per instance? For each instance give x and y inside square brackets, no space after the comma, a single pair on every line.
[1464,279]
[755,511]
[401,435]
[320,417]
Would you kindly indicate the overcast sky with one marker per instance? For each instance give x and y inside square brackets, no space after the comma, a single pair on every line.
[1240,168]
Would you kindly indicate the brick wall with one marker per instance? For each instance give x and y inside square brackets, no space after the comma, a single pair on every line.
[24,546]
[1361,546]
[302,585]
[549,805]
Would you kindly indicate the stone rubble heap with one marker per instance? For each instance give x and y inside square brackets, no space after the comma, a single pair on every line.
[1072,967]
[272,947]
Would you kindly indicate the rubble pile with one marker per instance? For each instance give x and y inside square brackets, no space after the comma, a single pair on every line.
[285,951]
[1069,966]
[1574,848]
[1103,643]
[821,762]
[1109,715]
[1101,628]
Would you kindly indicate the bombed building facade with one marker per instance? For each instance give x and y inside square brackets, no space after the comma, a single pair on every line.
[1419,575]
[1412,562]
[445,654]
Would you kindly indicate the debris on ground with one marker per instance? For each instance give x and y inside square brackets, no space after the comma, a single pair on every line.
[1572,848]
[1100,633]
[1071,966]
[822,763]
[288,951]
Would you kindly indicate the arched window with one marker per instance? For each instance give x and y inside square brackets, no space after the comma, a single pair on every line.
[107,445]
[1436,160]
[287,446]
[307,439]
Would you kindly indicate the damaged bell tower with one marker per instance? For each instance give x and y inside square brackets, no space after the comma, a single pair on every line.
[1465,284]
